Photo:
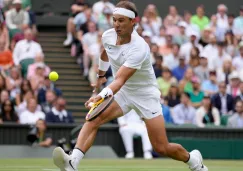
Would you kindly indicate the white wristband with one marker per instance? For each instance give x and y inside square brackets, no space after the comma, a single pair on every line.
[103,65]
[106,92]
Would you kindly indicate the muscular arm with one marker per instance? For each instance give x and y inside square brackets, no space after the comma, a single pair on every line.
[105,58]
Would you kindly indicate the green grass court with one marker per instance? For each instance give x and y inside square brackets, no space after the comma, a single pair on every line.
[117,165]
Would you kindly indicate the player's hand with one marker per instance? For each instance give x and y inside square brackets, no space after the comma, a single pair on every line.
[92,100]
[99,82]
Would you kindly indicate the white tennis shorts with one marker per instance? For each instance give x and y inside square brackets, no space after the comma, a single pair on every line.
[145,101]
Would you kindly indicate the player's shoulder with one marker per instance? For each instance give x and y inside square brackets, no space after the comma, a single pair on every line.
[109,33]
[139,43]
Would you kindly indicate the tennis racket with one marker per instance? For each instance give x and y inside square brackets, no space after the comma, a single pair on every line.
[99,107]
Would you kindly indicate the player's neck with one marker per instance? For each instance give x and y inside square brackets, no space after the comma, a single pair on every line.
[123,39]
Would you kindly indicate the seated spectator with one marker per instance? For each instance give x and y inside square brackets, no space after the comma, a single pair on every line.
[231,43]
[196,95]
[31,114]
[13,82]
[205,38]
[7,113]
[224,72]
[210,86]
[131,125]
[167,48]
[222,18]
[44,139]
[200,19]
[37,80]
[166,111]
[173,96]
[25,51]
[236,121]
[154,51]
[16,18]
[191,27]
[171,28]
[48,85]
[160,40]
[202,71]
[105,20]
[158,65]
[4,96]
[32,67]
[100,5]
[185,85]
[240,96]
[179,71]
[50,100]
[6,60]
[238,31]
[207,114]
[233,87]
[194,58]
[4,36]
[23,106]
[238,60]
[24,87]
[173,14]
[58,113]
[184,113]
[2,83]
[221,55]
[172,60]
[165,81]
[223,101]
[182,37]
[147,37]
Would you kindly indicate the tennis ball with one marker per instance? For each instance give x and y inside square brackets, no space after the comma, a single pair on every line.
[53,76]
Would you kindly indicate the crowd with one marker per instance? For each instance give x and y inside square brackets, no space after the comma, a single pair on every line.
[26,93]
[197,59]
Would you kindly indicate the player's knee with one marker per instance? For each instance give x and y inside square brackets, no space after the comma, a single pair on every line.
[94,124]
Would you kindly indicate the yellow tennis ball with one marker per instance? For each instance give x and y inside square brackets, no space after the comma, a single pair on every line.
[53,76]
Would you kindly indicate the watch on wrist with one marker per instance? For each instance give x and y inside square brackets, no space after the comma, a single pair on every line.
[100,76]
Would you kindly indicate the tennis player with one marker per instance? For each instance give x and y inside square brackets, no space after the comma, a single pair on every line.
[134,87]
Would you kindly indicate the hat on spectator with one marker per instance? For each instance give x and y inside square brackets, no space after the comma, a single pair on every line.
[40,65]
[182,24]
[234,75]
[241,44]
[107,10]
[207,28]
[147,34]
[17,2]
[203,55]
[193,33]
[195,79]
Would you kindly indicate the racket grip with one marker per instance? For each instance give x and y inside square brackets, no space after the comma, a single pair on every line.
[91,104]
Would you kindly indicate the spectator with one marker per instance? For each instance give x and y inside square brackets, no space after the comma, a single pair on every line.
[238,60]
[222,18]
[185,85]
[39,61]
[13,82]
[58,113]
[37,80]
[31,115]
[223,101]
[173,15]
[240,96]
[130,125]
[165,81]
[233,87]
[187,47]
[200,19]
[171,28]
[43,137]
[166,111]
[24,87]
[99,6]
[231,18]
[140,30]
[210,86]
[179,71]
[147,37]
[50,100]
[202,71]
[105,20]
[184,113]
[182,38]
[2,83]
[154,52]
[207,114]
[167,48]
[7,113]
[205,38]
[48,85]
[221,55]
[158,65]
[172,60]
[231,43]
[151,21]
[160,40]
[194,58]
[4,96]
[236,121]
[216,30]
[173,96]
[4,36]
[16,18]
[25,51]
[78,7]
[6,60]
[196,95]
[190,26]
[224,72]
[238,25]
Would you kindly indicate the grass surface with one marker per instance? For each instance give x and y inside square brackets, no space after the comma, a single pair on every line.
[117,165]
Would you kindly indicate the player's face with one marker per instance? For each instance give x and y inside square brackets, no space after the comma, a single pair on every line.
[123,25]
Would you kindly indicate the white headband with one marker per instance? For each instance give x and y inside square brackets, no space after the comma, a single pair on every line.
[124,12]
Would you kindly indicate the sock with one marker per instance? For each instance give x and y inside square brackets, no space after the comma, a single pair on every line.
[76,156]
[192,161]
[69,35]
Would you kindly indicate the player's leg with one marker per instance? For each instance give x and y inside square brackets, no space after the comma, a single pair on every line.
[127,137]
[85,139]
[158,138]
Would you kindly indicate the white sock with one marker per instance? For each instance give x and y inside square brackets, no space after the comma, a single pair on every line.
[192,160]
[76,156]
[69,35]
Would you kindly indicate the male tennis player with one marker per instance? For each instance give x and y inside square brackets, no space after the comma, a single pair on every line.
[134,87]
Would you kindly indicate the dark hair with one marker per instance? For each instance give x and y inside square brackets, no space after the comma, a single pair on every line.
[4,83]
[128,5]
[159,57]
[231,15]
[13,115]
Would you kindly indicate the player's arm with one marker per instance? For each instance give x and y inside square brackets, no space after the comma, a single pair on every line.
[103,63]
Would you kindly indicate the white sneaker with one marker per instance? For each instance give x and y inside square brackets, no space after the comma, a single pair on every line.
[129,155]
[68,41]
[147,155]
[62,160]
[199,166]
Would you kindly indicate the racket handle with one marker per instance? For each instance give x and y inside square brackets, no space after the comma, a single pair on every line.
[91,104]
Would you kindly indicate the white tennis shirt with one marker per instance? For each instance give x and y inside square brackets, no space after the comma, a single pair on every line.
[135,54]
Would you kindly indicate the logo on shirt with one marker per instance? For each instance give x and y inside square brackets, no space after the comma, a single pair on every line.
[154,113]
